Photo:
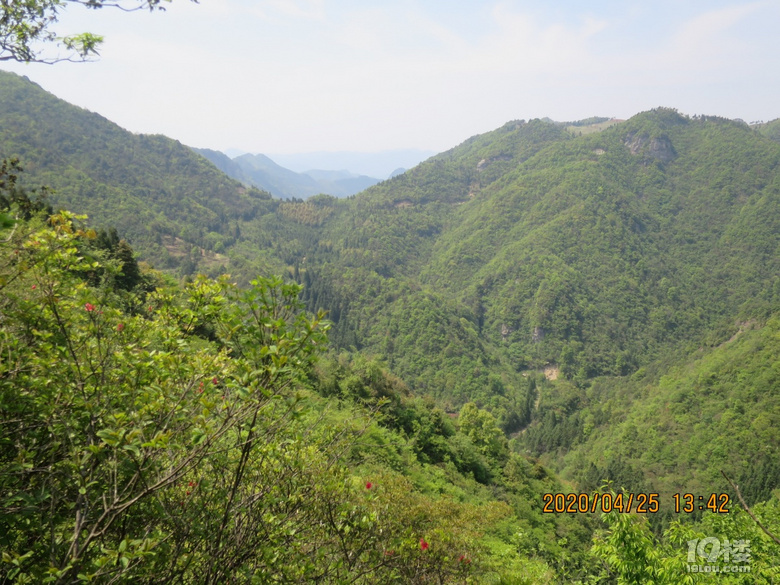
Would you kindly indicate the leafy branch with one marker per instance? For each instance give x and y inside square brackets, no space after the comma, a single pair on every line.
[26,25]
[747,509]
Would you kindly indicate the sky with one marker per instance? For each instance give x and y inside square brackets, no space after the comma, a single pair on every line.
[291,76]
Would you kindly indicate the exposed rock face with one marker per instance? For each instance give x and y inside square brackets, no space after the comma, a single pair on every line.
[506,330]
[662,149]
[538,334]
[659,148]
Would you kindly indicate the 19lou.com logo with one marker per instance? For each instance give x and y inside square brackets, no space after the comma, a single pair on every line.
[734,556]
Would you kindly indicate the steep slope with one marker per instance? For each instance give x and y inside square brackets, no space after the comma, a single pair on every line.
[368,264]
[673,427]
[602,254]
[597,251]
[153,189]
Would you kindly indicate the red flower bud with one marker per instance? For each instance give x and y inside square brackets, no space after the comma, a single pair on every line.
[369,485]
[423,544]
[214,380]
[120,326]
[89,307]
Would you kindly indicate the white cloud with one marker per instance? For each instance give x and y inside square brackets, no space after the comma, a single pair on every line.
[703,41]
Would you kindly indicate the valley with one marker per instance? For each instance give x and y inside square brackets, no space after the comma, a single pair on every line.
[546,307]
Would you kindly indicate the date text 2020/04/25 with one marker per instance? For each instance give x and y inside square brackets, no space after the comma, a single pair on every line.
[560,503]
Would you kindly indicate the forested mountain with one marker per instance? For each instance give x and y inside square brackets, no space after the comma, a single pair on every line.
[199,434]
[600,255]
[674,426]
[154,190]
[609,300]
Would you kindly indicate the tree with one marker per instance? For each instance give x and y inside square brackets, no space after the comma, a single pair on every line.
[480,426]
[112,421]
[26,25]
[633,555]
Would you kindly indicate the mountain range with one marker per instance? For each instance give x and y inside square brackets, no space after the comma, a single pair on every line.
[260,171]
[598,292]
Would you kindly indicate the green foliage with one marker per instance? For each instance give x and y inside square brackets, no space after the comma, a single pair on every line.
[26,28]
[481,428]
[770,129]
[179,442]
[634,555]
[521,247]
[15,199]
[597,254]
[111,417]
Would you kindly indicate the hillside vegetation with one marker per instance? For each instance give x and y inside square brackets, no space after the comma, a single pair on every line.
[531,304]
[152,189]
[153,432]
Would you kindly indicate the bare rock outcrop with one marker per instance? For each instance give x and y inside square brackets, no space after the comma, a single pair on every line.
[658,148]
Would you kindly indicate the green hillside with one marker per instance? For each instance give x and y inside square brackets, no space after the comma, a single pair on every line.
[598,251]
[154,190]
[585,256]
[200,434]
[769,129]
[673,427]
[596,254]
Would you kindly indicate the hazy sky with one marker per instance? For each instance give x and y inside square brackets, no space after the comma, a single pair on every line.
[279,76]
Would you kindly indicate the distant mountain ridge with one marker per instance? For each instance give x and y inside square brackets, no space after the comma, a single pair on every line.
[260,171]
